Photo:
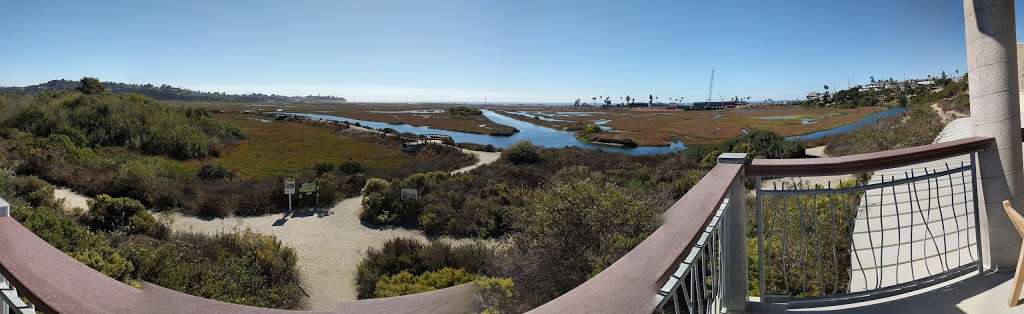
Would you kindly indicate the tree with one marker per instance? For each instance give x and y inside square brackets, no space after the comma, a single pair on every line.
[91,86]
[872,79]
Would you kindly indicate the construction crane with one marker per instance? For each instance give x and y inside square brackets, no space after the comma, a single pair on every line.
[711,84]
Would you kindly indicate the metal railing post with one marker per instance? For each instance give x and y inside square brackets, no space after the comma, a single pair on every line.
[734,241]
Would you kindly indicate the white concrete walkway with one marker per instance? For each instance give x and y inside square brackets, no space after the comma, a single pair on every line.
[911,231]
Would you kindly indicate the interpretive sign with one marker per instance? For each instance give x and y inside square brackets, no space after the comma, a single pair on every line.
[410,194]
[308,187]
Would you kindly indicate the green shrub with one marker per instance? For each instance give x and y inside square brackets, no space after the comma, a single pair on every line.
[465,111]
[764,144]
[214,172]
[119,120]
[92,249]
[350,167]
[523,152]
[497,295]
[243,268]
[606,222]
[414,257]
[118,214]
[404,283]
[34,191]
[91,86]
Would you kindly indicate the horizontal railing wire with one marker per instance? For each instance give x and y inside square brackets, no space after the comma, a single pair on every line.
[855,240]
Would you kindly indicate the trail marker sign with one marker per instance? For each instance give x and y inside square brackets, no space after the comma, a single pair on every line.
[289,186]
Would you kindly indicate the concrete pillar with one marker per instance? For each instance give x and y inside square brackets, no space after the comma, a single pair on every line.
[734,241]
[1020,71]
[5,210]
[995,111]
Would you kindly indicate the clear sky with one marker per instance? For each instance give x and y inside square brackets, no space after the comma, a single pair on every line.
[521,50]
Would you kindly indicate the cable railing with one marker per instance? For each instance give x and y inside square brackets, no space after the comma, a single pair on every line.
[865,233]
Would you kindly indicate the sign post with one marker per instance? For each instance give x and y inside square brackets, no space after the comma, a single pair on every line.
[289,188]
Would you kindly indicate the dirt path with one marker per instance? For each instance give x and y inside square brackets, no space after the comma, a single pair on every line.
[329,248]
[483,158]
[947,116]
[818,152]
[70,200]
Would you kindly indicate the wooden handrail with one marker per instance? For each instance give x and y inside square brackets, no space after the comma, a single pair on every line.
[57,283]
[865,162]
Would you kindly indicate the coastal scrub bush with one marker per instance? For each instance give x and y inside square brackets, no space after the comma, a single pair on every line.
[381,205]
[404,283]
[118,214]
[764,144]
[523,152]
[497,295]
[351,167]
[415,257]
[123,120]
[214,172]
[464,111]
[607,221]
[245,268]
[92,249]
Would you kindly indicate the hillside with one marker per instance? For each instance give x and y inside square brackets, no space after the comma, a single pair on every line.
[167,92]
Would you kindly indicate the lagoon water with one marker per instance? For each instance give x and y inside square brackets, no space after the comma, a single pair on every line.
[868,120]
[539,135]
[551,138]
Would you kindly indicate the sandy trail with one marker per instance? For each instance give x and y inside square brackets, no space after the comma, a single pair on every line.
[329,248]
[818,152]
[70,200]
[483,158]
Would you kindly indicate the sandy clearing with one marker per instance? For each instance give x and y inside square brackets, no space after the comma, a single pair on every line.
[69,200]
[329,248]
[483,158]
[816,151]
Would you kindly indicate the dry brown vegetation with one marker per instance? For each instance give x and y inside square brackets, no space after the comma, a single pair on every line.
[434,115]
[653,127]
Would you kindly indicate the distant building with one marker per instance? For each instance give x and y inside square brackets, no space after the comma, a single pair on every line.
[816,96]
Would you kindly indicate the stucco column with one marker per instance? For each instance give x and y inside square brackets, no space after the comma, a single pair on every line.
[734,241]
[995,111]
[5,209]
[1020,71]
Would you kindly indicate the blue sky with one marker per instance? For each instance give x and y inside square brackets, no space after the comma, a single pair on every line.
[523,50]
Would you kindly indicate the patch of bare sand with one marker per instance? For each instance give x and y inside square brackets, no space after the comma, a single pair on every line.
[329,248]
[69,200]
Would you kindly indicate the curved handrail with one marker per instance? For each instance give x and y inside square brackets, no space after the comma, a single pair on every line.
[865,162]
[631,284]
[56,283]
